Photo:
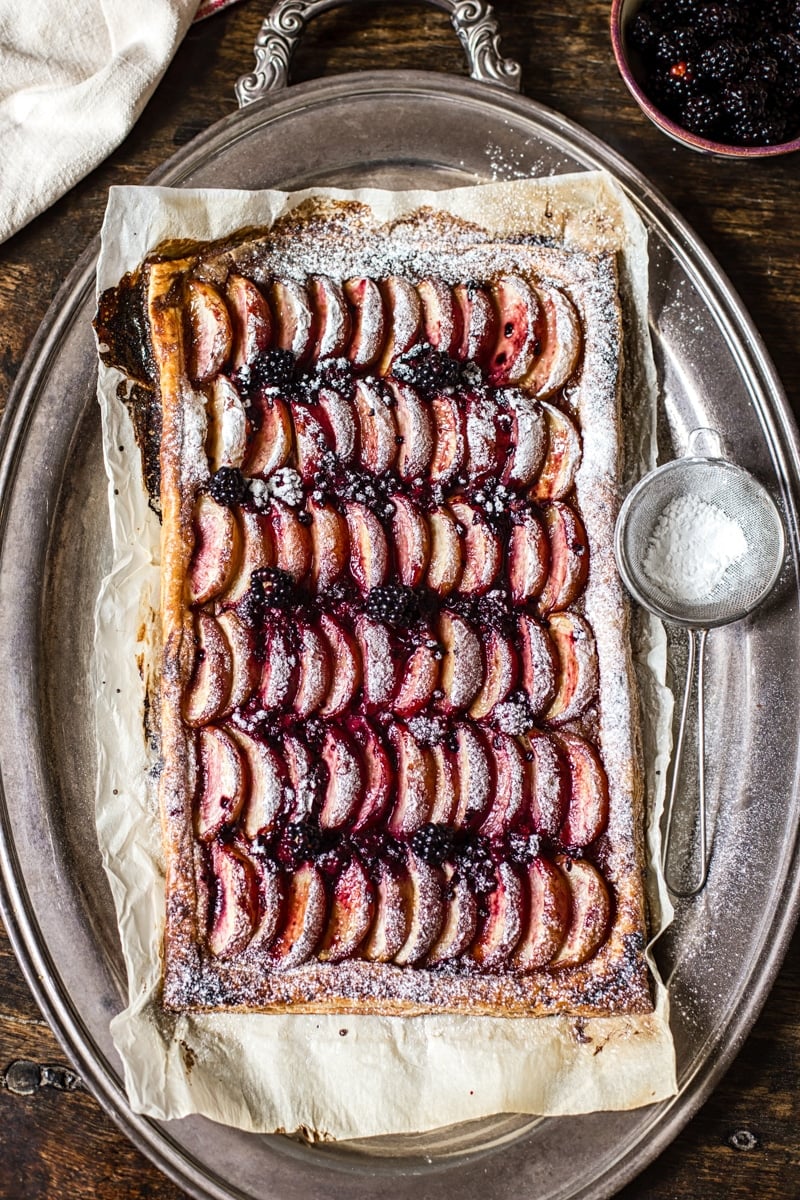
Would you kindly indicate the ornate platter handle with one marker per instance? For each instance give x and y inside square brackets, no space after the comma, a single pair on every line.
[473,20]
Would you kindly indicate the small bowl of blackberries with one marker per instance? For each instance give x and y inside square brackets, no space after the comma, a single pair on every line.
[723,78]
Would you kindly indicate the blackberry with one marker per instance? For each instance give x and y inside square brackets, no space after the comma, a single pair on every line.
[523,848]
[701,115]
[672,88]
[393,604]
[337,374]
[740,101]
[273,368]
[675,45]
[757,130]
[715,20]
[474,862]
[433,843]
[762,70]
[227,486]
[644,32]
[724,60]
[301,842]
[427,369]
[375,848]
[272,588]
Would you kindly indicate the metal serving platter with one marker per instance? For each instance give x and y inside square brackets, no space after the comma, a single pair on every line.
[393,129]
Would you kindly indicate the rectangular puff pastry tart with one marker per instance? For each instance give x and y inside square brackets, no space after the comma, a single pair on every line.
[399,764]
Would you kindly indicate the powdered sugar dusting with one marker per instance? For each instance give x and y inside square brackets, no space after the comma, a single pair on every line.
[692,545]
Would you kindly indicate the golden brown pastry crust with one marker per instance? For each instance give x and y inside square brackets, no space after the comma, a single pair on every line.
[614,979]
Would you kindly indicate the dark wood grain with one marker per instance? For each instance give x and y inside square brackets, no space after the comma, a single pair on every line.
[55,1141]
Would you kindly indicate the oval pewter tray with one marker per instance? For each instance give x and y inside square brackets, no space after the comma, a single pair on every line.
[392,129]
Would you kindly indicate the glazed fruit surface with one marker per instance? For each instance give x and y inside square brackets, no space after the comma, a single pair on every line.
[392,667]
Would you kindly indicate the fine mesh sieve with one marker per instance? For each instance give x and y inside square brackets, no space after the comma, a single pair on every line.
[711,566]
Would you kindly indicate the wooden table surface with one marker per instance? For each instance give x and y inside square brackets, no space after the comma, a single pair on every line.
[55,1141]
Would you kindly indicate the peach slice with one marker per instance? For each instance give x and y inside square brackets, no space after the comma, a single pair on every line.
[244,667]
[345,790]
[342,423]
[562,457]
[235,902]
[267,794]
[462,662]
[376,428]
[447,788]
[561,343]
[257,552]
[311,440]
[379,780]
[426,910]
[331,317]
[380,669]
[547,917]
[415,782]
[292,541]
[404,323]
[217,550]
[368,321]
[314,680]
[412,541]
[345,666]
[482,435]
[293,317]
[210,684]
[391,924]
[305,778]
[512,786]
[550,784]
[369,550]
[279,672]
[569,556]
[482,551]
[460,919]
[226,436]
[270,907]
[446,559]
[528,440]
[441,316]
[251,321]
[351,914]
[306,912]
[540,662]
[518,319]
[210,328]
[475,776]
[271,443]
[418,683]
[330,545]
[578,669]
[500,929]
[478,323]
[501,670]
[414,425]
[587,815]
[222,782]
[528,557]
[590,912]
[449,439]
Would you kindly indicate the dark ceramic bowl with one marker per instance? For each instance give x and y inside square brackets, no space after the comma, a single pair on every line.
[622,13]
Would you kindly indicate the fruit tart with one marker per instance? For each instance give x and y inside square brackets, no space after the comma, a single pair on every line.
[398,751]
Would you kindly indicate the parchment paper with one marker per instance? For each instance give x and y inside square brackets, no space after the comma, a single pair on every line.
[348,1077]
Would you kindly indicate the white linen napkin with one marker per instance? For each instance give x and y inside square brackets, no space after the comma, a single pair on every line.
[74,77]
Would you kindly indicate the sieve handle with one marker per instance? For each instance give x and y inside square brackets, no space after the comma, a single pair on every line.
[695,676]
